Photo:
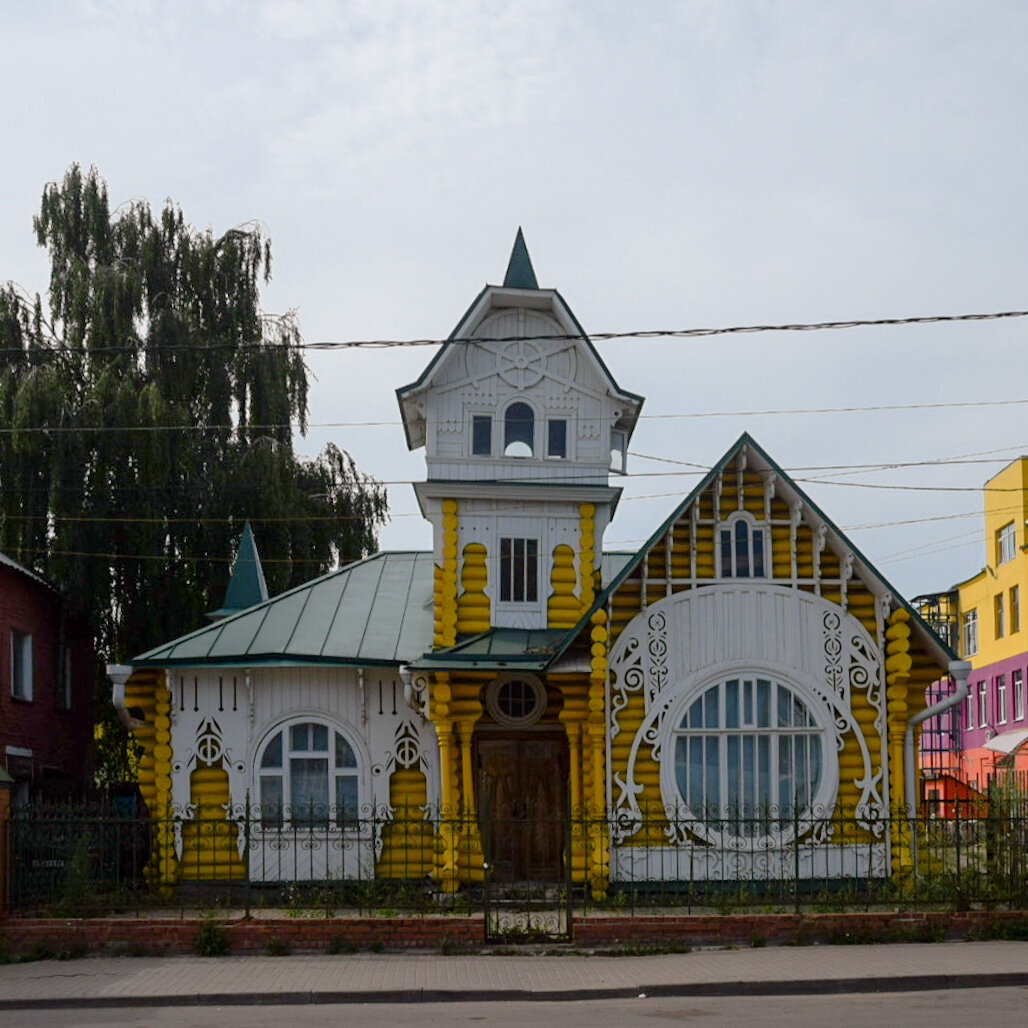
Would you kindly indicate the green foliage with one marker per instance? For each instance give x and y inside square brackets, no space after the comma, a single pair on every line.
[150,323]
[277,947]
[211,940]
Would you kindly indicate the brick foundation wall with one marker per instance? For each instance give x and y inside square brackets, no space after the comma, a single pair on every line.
[176,936]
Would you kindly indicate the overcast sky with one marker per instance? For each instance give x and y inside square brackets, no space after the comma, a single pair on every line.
[673,165]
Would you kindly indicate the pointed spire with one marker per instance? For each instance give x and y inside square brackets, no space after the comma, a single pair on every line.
[246,586]
[520,274]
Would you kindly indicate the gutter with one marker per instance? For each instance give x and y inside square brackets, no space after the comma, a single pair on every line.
[959,669]
[119,674]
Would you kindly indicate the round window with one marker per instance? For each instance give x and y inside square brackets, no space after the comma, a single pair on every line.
[748,760]
[516,700]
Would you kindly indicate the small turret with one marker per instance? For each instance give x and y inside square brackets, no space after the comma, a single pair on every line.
[246,585]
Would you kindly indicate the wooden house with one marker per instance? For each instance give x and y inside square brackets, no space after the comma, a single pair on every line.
[517,702]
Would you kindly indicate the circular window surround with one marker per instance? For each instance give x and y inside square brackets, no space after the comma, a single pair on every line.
[824,798]
[493,700]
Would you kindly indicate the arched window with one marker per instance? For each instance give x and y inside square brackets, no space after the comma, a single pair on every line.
[742,549]
[519,431]
[307,774]
[748,751]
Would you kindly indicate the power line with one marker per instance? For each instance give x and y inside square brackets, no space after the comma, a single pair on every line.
[681,415]
[669,333]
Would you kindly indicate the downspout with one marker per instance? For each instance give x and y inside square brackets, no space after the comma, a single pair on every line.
[959,670]
[119,674]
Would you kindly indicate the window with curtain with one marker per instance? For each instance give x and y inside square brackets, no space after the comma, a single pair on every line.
[307,775]
[749,753]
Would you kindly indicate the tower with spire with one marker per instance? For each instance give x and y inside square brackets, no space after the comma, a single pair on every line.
[522,424]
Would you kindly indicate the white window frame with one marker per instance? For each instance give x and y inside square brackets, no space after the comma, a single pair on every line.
[1001,699]
[983,704]
[550,419]
[533,445]
[754,528]
[333,818]
[1015,609]
[1017,683]
[471,432]
[723,833]
[1000,614]
[619,451]
[1006,544]
[969,632]
[524,601]
[21,665]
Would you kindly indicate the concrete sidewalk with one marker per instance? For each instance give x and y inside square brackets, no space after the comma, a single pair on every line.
[389,978]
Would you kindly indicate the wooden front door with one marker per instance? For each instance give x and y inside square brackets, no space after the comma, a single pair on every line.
[522,805]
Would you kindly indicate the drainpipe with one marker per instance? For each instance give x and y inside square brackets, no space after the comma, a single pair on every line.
[959,670]
[119,674]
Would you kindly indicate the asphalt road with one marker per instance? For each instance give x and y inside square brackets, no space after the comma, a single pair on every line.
[954,1008]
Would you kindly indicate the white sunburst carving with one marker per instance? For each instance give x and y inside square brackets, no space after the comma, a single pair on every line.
[671,651]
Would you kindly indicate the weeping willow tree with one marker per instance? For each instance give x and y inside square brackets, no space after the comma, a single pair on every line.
[146,411]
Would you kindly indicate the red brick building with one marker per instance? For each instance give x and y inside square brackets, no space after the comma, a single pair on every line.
[47,674]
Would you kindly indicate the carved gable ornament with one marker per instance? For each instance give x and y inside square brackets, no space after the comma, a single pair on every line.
[678,647]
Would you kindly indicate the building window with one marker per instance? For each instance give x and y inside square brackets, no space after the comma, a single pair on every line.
[516,701]
[519,570]
[1001,628]
[519,431]
[557,438]
[970,707]
[741,550]
[307,775]
[618,451]
[983,704]
[749,750]
[1015,609]
[1001,699]
[21,665]
[1017,680]
[1005,544]
[969,632]
[481,435]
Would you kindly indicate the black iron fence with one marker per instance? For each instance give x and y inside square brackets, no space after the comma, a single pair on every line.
[78,862]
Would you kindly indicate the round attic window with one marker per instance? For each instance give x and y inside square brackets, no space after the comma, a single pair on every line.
[516,701]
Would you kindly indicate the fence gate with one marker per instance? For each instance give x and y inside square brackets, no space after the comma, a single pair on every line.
[527,889]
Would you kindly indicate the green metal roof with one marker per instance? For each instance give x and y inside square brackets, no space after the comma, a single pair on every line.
[375,611]
[520,273]
[246,585]
[530,649]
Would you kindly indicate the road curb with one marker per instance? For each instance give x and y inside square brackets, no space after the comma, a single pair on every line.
[819,987]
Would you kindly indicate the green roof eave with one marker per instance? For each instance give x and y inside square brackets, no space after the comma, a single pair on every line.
[747,440]
[269,660]
[528,649]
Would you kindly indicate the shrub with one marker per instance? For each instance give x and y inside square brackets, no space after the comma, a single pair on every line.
[277,947]
[211,940]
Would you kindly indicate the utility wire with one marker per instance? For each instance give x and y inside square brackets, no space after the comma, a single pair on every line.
[682,415]
[668,333]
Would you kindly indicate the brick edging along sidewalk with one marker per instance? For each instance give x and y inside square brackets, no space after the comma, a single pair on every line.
[159,936]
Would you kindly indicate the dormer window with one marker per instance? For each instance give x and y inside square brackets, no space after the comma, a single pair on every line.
[741,549]
[519,431]
[481,435]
